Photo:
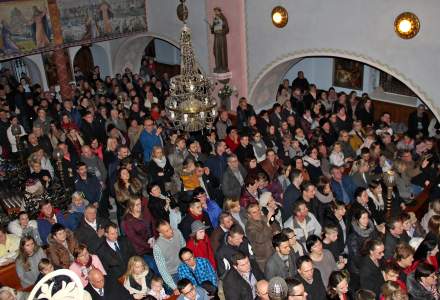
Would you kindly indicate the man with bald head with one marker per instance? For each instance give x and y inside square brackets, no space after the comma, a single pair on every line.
[101,287]
[262,290]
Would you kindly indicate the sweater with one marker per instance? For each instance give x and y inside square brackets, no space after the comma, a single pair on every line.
[166,255]
[28,276]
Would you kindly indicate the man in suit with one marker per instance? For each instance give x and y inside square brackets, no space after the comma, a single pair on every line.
[293,192]
[233,178]
[342,185]
[240,281]
[218,235]
[101,287]
[115,251]
[91,229]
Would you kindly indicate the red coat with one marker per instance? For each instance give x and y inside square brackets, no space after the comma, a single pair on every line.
[231,144]
[246,198]
[202,249]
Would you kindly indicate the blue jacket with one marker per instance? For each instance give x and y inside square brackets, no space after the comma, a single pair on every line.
[44,226]
[148,141]
[349,186]
[213,211]
[91,187]
[217,165]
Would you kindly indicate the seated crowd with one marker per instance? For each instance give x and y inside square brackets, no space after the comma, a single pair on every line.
[289,203]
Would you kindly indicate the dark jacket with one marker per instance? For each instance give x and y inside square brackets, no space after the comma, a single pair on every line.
[91,187]
[231,188]
[290,196]
[225,252]
[44,225]
[316,290]
[330,219]
[244,152]
[185,224]
[275,266]
[416,290]
[154,170]
[371,276]
[116,264]
[112,291]
[349,187]
[87,235]
[217,164]
[355,241]
[413,121]
[390,243]
[236,288]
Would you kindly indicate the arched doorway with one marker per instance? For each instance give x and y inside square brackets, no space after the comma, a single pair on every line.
[165,55]
[84,60]
[264,87]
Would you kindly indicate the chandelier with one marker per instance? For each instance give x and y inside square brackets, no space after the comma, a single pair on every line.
[190,106]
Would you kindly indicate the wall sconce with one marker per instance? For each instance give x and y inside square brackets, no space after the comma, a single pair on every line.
[280,17]
[407,25]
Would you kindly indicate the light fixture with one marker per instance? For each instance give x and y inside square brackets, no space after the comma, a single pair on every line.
[190,106]
[407,25]
[280,16]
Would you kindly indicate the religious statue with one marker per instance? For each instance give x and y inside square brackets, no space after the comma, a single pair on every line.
[220,28]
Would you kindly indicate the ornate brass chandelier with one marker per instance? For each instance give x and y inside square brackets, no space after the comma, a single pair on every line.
[190,105]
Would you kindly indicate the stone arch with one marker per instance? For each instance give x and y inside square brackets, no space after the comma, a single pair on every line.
[264,87]
[123,58]
[35,73]
[101,59]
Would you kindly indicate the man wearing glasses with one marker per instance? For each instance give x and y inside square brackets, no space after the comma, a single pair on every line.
[189,292]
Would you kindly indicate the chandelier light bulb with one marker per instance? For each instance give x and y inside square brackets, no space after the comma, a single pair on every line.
[185,118]
[202,114]
[172,115]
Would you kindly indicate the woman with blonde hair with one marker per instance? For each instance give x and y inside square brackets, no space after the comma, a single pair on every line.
[137,279]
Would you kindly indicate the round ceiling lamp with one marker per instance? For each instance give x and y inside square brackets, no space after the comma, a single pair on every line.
[407,25]
[280,16]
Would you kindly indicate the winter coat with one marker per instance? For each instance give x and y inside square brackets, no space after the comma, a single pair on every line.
[260,237]
[58,254]
[355,241]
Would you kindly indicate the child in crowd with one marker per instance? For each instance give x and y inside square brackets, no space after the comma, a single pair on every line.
[157,289]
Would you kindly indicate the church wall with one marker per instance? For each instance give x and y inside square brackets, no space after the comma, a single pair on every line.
[356,29]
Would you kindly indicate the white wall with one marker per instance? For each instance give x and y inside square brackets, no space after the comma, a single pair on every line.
[319,70]
[166,53]
[356,29]
[101,57]
[162,20]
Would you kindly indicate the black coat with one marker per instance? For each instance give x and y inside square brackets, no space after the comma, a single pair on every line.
[185,224]
[316,290]
[87,235]
[330,219]
[244,152]
[112,291]
[154,170]
[212,185]
[116,264]
[290,196]
[371,277]
[236,288]
[413,121]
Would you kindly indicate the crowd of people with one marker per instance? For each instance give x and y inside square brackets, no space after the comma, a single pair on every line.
[287,203]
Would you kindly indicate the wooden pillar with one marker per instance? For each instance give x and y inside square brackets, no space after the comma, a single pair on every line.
[61,60]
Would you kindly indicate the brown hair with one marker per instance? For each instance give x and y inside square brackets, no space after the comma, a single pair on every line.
[402,251]
[22,255]
[434,225]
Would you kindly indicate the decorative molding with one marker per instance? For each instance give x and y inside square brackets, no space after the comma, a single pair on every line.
[315,52]
[73,290]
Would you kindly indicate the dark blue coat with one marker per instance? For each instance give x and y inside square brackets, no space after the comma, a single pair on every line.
[349,186]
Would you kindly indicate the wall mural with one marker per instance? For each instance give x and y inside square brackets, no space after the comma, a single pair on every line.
[100,19]
[25,27]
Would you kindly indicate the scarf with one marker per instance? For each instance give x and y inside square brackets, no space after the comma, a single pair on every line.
[325,198]
[196,218]
[161,162]
[310,161]
[378,201]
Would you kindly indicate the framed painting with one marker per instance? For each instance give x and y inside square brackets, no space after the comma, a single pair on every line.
[25,28]
[348,73]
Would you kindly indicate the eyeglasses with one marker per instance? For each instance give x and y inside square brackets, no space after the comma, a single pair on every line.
[188,259]
[192,289]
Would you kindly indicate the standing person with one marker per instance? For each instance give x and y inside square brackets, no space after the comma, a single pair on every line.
[218,235]
[239,283]
[282,262]
[139,231]
[371,277]
[310,278]
[166,253]
[149,138]
[338,286]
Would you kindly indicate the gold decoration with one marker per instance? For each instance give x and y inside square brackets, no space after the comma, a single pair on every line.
[407,25]
[280,16]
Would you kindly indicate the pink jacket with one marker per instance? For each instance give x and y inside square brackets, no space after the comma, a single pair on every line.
[77,269]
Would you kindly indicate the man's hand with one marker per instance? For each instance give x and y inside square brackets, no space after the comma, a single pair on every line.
[176,292]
